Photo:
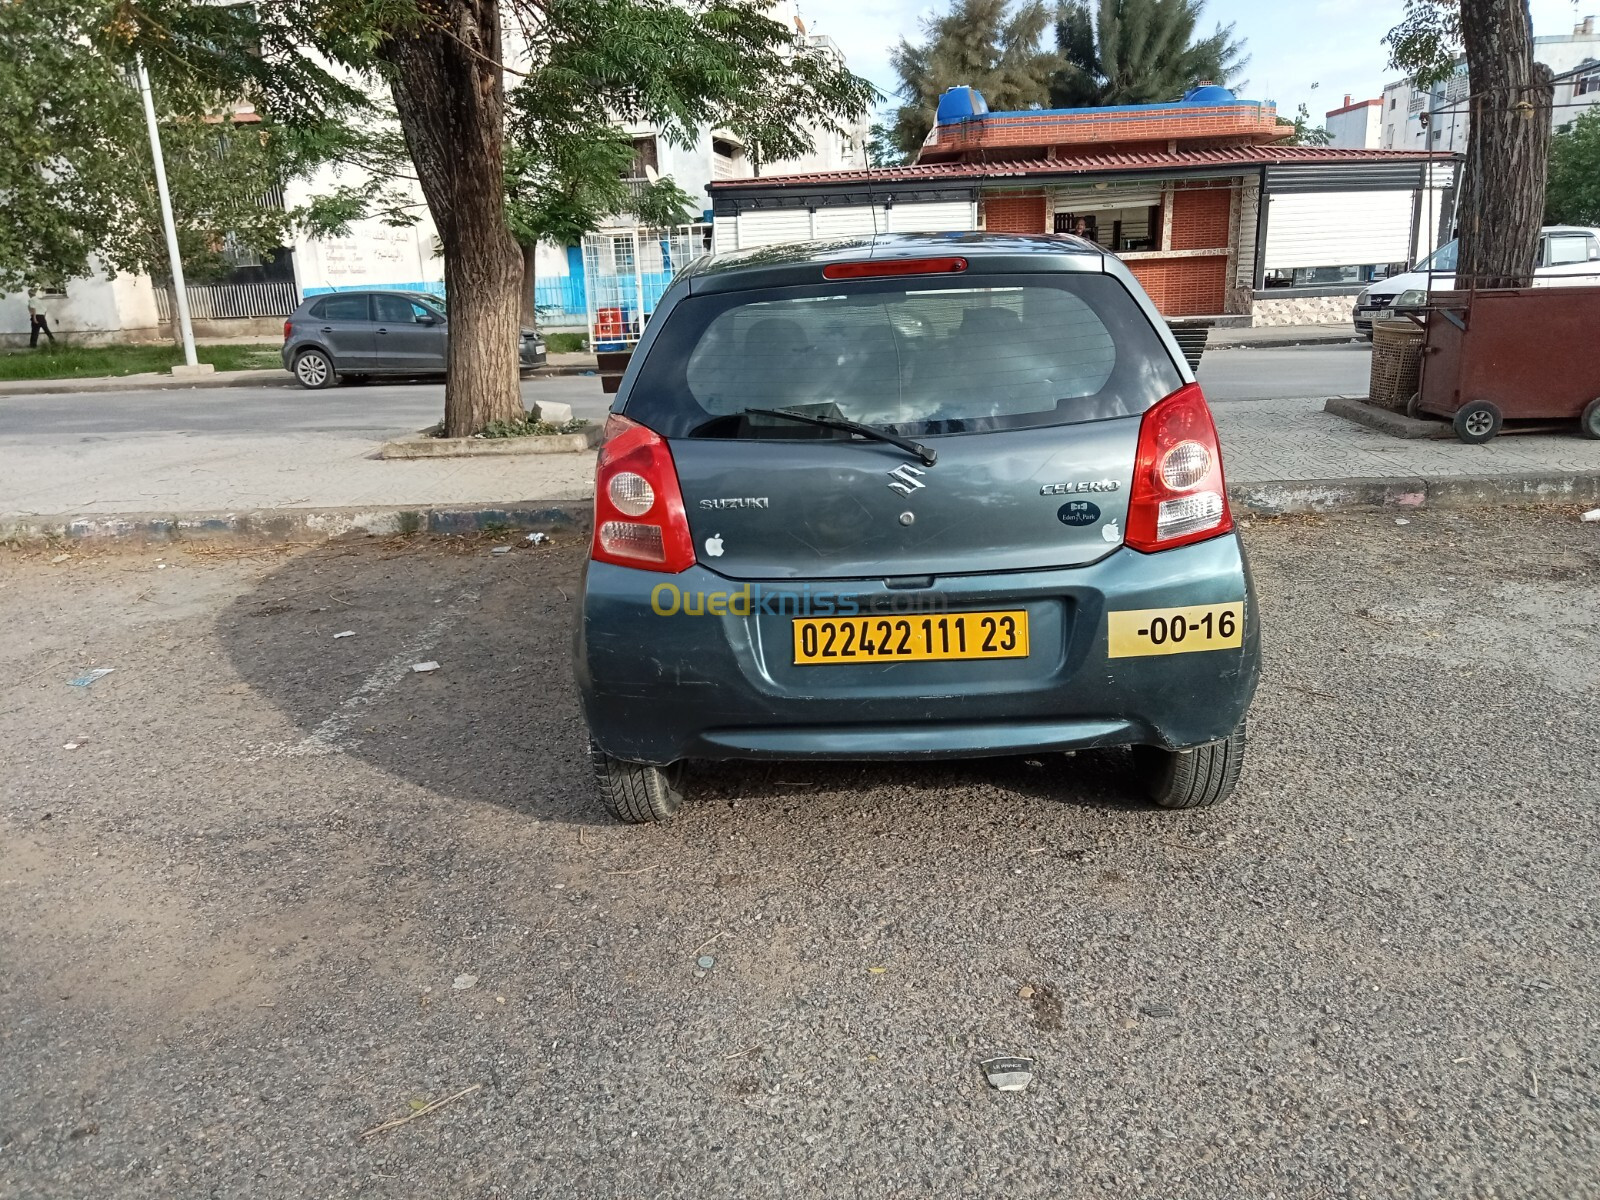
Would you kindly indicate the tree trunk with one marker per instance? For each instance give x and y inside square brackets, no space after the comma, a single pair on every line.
[530,310]
[450,96]
[1502,184]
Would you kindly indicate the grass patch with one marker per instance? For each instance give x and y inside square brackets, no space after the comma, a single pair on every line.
[566,343]
[63,361]
[529,427]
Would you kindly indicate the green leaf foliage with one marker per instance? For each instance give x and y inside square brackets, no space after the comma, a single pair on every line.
[1426,44]
[1112,52]
[987,44]
[1138,52]
[1572,196]
[75,164]
[1305,133]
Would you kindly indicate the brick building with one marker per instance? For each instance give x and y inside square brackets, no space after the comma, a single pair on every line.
[1215,215]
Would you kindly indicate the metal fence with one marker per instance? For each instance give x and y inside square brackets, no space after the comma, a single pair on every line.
[224,300]
[625,273]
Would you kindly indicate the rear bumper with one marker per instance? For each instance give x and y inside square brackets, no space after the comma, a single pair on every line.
[659,688]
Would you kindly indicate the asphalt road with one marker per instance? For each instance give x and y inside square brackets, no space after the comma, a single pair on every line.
[379,409]
[386,410]
[1287,372]
[286,890]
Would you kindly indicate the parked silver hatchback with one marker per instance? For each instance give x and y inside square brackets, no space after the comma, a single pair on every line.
[349,336]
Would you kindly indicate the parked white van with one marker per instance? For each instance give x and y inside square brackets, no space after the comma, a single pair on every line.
[1569,256]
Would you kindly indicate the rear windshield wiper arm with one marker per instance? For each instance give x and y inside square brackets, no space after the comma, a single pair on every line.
[928,455]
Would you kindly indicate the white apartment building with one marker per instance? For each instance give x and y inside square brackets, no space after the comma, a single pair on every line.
[1356,125]
[1436,118]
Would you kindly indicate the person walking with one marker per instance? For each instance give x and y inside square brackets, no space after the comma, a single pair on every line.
[38,323]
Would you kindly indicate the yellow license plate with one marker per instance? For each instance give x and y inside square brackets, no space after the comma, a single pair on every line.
[1174,630]
[911,639]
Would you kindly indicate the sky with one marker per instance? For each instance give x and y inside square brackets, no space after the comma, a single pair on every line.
[1301,51]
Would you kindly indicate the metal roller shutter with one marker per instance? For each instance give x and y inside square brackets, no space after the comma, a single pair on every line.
[1335,229]
[854,221]
[771,227]
[1072,199]
[947,217]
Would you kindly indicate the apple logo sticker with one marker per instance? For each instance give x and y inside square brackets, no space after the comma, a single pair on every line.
[714,545]
[1110,532]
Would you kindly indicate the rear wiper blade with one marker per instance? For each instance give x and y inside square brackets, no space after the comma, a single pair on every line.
[928,455]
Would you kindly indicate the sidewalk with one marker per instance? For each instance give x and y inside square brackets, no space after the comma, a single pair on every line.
[1282,456]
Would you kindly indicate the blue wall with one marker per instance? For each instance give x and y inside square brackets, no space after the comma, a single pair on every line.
[560,296]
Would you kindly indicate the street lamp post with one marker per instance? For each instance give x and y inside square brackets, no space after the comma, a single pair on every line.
[180,295]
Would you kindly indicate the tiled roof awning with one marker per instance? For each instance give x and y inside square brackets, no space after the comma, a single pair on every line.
[1325,168]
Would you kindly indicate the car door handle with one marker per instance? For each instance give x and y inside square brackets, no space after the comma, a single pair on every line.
[381,329]
[327,329]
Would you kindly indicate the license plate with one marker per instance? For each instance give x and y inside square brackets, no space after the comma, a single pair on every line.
[1174,630]
[1001,634]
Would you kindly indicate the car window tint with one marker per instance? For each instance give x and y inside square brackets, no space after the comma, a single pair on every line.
[344,308]
[393,310]
[1001,353]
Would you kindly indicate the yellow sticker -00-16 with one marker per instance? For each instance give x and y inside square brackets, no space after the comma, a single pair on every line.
[1174,630]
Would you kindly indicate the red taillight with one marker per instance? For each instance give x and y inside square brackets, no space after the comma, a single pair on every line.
[893,266]
[638,507]
[1179,495]
[288,330]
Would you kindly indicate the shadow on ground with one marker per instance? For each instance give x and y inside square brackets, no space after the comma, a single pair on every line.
[499,721]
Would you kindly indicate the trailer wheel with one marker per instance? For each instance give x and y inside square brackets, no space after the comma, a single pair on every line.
[1477,422]
[1590,421]
[1413,404]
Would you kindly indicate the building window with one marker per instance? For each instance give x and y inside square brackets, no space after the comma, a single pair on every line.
[1587,84]
[1328,276]
[1392,101]
[644,158]
[1118,229]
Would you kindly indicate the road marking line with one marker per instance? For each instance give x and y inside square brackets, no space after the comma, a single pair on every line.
[327,737]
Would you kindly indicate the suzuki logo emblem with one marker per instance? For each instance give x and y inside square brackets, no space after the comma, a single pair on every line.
[907,479]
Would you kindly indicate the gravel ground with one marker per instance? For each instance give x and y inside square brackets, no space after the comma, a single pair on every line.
[241,918]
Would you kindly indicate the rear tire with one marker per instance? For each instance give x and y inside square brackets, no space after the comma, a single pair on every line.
[314,369]
[1196,778]
[1476,422]
[636,793]
[1589,423]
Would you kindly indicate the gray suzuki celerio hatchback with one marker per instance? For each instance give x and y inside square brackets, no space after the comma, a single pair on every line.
[906,497]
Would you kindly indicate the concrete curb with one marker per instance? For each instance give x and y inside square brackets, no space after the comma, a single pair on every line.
[1273,498]
[1283,343]
[265,377]
[426,443]
[1387,421]
[1283,497]
[297,524]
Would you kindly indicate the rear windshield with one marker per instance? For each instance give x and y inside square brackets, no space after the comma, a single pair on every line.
[919,357]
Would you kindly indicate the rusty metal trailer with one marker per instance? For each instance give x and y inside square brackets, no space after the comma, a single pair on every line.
[1512,354]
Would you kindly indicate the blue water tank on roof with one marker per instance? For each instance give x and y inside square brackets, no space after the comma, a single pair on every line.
[1209,93]
[960,104]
